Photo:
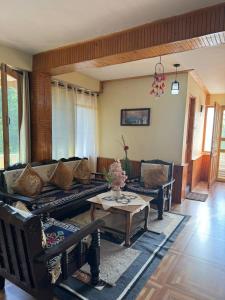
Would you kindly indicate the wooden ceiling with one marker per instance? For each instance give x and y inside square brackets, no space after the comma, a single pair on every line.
[201,28]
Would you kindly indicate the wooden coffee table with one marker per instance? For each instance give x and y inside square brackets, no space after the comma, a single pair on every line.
[127,211]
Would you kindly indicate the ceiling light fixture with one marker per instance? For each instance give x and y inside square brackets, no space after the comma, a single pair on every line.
[175,86]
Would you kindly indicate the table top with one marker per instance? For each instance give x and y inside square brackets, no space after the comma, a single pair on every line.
[125,208]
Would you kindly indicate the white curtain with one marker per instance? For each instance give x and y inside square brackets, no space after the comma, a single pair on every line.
[87,128]
[74,124]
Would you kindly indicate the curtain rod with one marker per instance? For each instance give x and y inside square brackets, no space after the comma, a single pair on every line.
[73,86]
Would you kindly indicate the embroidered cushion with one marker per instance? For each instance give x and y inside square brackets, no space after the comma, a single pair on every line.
[29,183]
[82,172]
[56,232]
[155,176]
[62,176]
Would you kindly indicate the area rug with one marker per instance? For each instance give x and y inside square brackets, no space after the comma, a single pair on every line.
[197,196]
[152,247]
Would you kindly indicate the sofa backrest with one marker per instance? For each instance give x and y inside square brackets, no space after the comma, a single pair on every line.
[43,170]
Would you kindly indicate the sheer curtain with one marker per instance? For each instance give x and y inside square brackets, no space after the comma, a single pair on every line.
[63,121]
[87,127]
[74,124]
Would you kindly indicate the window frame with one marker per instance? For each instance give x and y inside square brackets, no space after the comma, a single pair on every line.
[204,131]
[6,70]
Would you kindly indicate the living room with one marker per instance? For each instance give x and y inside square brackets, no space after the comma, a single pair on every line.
[112,151]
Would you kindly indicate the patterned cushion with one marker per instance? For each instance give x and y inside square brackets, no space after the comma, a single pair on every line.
[56,232]
[57,197]
[29,183]
[138,187]
[62,176]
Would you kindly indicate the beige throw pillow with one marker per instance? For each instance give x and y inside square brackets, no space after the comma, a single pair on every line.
[82,172]
[155,177]
[29,183]
[62,176]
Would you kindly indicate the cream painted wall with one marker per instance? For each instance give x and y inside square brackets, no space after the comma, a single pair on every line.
[194,90]
[163,139]
[219,98]
[80,80]
[15,58]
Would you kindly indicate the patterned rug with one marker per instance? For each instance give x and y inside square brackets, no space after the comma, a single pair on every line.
[149,249]
[197,196]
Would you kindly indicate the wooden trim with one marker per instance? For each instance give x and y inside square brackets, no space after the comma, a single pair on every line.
[5,116]
[201,28]
[147,76]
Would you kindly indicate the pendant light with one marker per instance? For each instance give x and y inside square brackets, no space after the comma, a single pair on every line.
[175,86]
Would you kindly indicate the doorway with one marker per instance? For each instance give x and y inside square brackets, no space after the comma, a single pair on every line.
[221,164]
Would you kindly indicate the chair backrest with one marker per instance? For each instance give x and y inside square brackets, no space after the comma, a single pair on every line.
[20,242]
[170,166]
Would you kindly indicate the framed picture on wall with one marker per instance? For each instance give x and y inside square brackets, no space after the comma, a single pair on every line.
[135,117]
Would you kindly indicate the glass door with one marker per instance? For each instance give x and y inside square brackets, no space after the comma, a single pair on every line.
[221,165]
[10,116]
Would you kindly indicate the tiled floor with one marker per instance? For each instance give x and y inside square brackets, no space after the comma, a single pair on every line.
[194,268]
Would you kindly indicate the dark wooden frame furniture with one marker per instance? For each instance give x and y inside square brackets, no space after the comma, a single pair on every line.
[59,212]
[162,194]
[23,260]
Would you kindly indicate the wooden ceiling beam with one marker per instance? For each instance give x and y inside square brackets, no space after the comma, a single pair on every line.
[201,28]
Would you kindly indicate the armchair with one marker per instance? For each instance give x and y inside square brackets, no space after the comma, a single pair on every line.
[162,193]
[25,262]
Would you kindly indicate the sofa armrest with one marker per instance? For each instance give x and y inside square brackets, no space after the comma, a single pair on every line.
[69,241]
[11,198]
[168,183]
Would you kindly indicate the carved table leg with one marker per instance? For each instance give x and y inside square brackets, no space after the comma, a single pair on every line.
[128,228]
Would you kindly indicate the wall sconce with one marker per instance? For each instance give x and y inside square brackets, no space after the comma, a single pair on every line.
[175,86]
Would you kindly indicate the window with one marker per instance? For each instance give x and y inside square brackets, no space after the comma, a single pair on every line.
[10,101]
[208,128]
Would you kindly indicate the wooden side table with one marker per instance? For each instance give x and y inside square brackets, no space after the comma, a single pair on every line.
[127,211]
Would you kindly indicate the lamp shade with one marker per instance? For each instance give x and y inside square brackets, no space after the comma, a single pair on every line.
[175,87]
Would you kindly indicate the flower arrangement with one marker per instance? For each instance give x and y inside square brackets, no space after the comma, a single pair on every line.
[116,176]
[126,161]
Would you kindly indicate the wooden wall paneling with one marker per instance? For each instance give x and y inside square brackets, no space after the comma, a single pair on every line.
[205,167]
[196,171]
[41,117]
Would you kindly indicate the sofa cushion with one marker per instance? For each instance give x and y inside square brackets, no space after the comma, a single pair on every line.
[82,172]
[55,233]
[58,197]
[139,188]
[44,171]
[145,166]
[154,177]
[62,176]
[29,183]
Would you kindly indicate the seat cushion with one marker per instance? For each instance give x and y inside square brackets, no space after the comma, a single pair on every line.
[139,188]
[57,197]
[55,233]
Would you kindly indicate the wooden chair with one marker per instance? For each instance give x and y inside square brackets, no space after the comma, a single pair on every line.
[23,260]
[162,194]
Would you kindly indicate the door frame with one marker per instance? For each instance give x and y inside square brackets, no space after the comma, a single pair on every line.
[189,138]
[220,140]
